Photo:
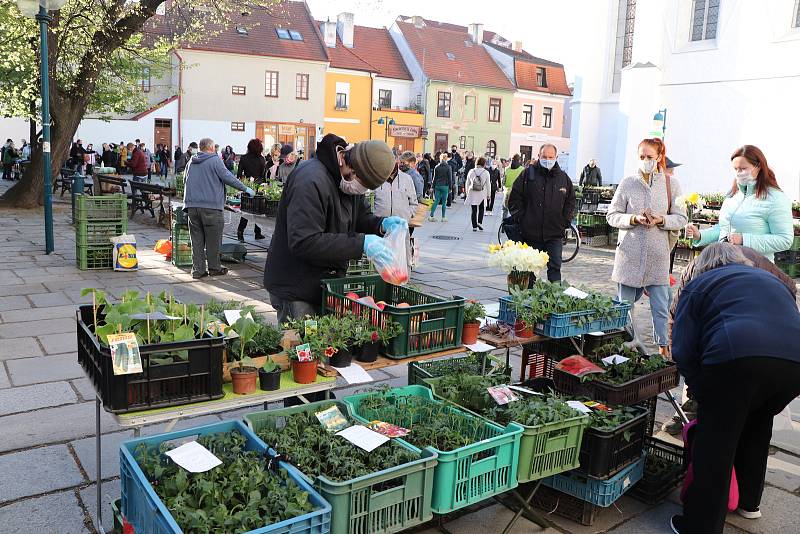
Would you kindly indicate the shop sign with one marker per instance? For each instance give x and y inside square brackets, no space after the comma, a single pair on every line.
[403,130]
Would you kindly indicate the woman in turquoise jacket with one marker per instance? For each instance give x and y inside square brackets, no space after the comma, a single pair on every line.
[756,214]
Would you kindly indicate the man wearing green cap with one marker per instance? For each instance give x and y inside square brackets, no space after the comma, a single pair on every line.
[324,222]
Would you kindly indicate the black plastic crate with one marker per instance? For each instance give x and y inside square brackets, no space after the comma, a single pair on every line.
[650,405]
[664,469]
[198,378]
[271,208]
[591,341]
[632,392]
[788,256]
[253,204]
[556,502]
[593,231]
[604,453]
[540,357]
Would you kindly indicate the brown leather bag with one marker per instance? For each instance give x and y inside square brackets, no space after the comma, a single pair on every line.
[672,235]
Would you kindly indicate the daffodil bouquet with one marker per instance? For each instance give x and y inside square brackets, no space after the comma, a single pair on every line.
[691,201]
[513,256]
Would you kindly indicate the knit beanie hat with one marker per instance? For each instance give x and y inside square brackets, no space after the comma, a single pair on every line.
[286,150]
[373,162]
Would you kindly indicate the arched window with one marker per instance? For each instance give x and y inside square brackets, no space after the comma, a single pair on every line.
[491,149]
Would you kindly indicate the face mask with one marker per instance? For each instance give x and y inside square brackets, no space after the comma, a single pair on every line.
[647,165]
[403,167]
[547,163]
[744,178]
[193,150]
[352,187]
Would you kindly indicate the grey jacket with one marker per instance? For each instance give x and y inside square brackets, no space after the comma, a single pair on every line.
[398,197]
[206,178]
[642,257]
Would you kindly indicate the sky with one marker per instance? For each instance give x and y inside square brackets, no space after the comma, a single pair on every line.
[550,29]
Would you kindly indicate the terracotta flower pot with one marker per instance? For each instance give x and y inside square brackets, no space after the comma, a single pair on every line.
[244,380]
[469,334]
[521,329]
[368,352]
[269,381]
[304,372]
[518,280]
[342,358]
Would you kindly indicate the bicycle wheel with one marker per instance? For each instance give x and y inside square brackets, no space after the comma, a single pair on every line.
[572,243]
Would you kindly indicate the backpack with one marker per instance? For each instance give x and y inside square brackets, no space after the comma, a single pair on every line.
[478,185]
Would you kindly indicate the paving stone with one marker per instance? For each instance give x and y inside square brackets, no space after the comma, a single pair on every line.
[27,398]
[58,512]
[58,298]
[4,382]
[110,492]
[85,449]
[781,515]
[85,388]
[25,289]
[36,471]
[14,303]
[44,369]
[490,519]
[74,421]
[59,343]
[36,314]
[19,347]
[46,326]
[783,471]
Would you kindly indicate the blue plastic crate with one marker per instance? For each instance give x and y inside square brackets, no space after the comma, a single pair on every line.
[560,325]
[142,507]
[600,492]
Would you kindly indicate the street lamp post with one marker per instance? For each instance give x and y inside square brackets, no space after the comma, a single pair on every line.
[388,121]
[38,9]
[660,120]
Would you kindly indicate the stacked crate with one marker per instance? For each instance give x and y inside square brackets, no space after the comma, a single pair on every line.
[97,219]
[181,244]
[789,260]
[593,228]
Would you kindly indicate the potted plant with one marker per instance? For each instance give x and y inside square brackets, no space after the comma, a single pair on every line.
[269,375]
[370,345]
[304,372]
[244,376]
[472,312]
[336,334]
[518,260]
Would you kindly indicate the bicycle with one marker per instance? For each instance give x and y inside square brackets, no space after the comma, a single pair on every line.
[570,246]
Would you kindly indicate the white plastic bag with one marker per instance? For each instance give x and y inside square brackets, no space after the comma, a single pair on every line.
[393,268]
[125,258]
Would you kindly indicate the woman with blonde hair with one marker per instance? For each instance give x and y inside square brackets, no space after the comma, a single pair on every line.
[645,210]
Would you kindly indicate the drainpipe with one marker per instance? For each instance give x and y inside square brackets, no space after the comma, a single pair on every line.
[180,95]
[371,96]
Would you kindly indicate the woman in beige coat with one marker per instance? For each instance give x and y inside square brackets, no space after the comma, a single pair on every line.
[645,209]
[478,188]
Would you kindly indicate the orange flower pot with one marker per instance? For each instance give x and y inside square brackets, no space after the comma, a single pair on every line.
[304,372]
[469,334]
[244,380]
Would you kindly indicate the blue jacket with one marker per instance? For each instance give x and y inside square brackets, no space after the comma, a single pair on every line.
[732,312]
[766,225]
[206,177]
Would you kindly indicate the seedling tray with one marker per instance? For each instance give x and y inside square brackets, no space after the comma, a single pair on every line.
[559,325]
[660,480]
[632,392]
[472,365]
[466,475]
[364,505]
[604,453]
[430,323]
[198,378]
[599,492]
[142,507]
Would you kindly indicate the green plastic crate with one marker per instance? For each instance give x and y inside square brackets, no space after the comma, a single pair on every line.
[181,256]
[470,364]
[113,208]
[387,501]
[360,267]
[796,243]
[94,257]
[791,269]
[587,219]
[467,475]
[544,450]
[98,233]
[430,323]
[179,185]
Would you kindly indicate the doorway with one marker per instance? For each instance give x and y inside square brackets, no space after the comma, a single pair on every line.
[163,133]
[526,152]
[440,143]
[404,143]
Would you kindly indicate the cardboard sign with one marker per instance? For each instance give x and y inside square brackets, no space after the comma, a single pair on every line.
[502,394]
[125,356]
[363,437]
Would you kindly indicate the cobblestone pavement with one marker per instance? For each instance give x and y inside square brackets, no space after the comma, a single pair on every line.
[47,449]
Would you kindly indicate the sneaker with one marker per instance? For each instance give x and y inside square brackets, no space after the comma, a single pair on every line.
[198,276]
[444,220]
[678,524]
[432,219]
[474,229]
[220,272]
[674,427]
[747,514]
[480,228]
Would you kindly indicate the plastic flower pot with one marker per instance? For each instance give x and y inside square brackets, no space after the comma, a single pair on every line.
[522,329]
[244,380]
[269,381]
[343,358]
[469,334]
[304,372]
[368,352]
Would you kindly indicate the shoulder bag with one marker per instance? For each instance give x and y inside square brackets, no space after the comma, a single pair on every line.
[672,235]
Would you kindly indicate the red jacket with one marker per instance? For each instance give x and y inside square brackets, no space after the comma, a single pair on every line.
[138,163]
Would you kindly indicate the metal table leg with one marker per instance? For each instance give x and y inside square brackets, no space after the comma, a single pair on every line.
[98,446]
[525,506]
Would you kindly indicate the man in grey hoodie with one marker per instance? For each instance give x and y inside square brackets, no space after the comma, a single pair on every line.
[204,198]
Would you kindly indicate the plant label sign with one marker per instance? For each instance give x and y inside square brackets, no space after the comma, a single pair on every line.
[125,356]
[502,394]
[389,430]
[234,315]
[579,406]
[332,419]
[311,326]
[194,457]
[363,437]
[304,352]
[614,359]
[575,292]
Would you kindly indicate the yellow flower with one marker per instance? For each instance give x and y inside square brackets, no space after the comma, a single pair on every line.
[693,198]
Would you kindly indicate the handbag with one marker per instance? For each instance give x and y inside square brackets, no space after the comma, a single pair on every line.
[672,235]
[512,225]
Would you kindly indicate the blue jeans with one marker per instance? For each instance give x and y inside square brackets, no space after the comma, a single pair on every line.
[660,299]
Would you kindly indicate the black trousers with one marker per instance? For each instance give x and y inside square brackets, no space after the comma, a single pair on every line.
[553,247]
[490,207]
[736,404]
[477,215]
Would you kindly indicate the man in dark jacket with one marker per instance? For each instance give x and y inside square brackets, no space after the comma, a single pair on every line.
[76,155]
[543,200]
[590,175]
[138,163]
[496,183]
[182,160]
[324,222]
[455,166]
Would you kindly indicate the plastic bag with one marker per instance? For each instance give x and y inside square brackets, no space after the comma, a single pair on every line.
[393,267]
[578,366]
[125,253]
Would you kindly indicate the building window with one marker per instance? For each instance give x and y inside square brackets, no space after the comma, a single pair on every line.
[494,109]
[623,51]
[705,15]
[237,126]
[443,105]
[547,117]
[341,100]
[301,91]
[385,98]
[144,83]
[796,23]
[289,35]
[541,77]
[271,84]
[527,114]
[491,149]
[238,90]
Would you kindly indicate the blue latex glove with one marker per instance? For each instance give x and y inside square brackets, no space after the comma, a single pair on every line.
[250,192]
[376,250]
[393,222]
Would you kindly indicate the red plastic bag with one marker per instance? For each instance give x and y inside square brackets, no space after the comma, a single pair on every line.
[394,269]
[578,366]
[688,442]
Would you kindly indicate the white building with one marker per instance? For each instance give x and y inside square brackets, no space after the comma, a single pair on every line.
[726,71]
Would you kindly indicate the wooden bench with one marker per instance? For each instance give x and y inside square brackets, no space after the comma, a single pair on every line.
[141,199]
[106,184]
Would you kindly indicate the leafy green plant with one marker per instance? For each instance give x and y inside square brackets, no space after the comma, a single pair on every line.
[238,496]
[546,298]
[247,329]
[267,340]
[269,365]
[473,311]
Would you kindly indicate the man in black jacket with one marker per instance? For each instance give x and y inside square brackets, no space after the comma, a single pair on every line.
[543,201]
[590,176]
[324,221]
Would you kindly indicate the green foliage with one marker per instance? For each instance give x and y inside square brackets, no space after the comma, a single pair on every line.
[247,329]
[238,496]
[272,190]
[608,421]
[636,366]
[267,340]
[269,365]
[545,298]
[473,310]
[315,451]
[347,331]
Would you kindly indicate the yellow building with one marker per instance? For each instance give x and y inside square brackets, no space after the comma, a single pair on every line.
[347,104]
[401,129]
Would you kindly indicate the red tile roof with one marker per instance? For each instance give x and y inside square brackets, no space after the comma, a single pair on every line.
[373,51]
[525,74]
[521,54]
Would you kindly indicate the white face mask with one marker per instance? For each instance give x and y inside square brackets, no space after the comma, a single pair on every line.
[547,163]
[744,178]
[352,187]
[193,150]
[647,165]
